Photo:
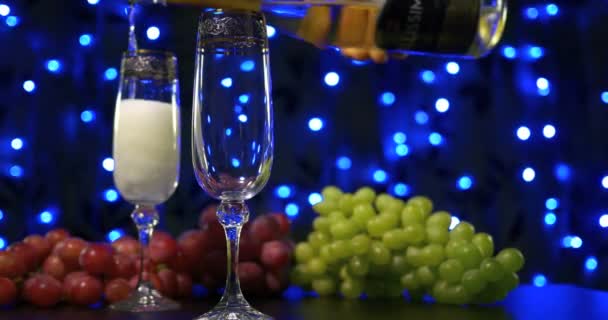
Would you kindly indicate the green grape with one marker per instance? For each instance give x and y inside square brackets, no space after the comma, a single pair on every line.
[331,193]
[326,254]
[304,252]
[450,294]
[410,282]
[300,276]
[362,213]
[432,254]
[463,231]
[392,289]
[364,195]
[324,286]
[508,282]
[325,207]
[473,282]
[451,271]
[452,245]
[377,226]
[335,217]
[343,229]
[511,259]
[382,201]
[423,202]
[321,224]
[333,269]
[346,204]
[412,215]
[391,217]
[379,254]
[316,266]
[491,270]
[413,256]
[358,266]
[426,276]
[344,274]
[490,294]
[440,219]
[399,265]
[360,244]
[351,288]
[395,239]
[484,243]
[317,239]
[341,249]
[440,291]
[469,255]
[414,234]
[374,288]
[378,271]
[396,206]
[437,235]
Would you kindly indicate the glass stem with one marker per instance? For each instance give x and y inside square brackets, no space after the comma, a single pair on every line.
[145,218]
[232,215]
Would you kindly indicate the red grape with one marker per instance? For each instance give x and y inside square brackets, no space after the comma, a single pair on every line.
[215,264]
[162,247]
[265,229]
[56,235]
[147,276]
[251,276]
[86,290]
[123,266]
[27,254]
[216,237]
[70,281]
[184,285]
[126,245]
[168,279]
[275,255]
[8,291]
[54,267]
[282,221]
[212,282]
[42,290]
[180,263]
[193,244]
[250,247]
[208,216]
[96,258]
[117,290]
[148,265]
[277,281]
[11,265]
[69,251]
[41,245]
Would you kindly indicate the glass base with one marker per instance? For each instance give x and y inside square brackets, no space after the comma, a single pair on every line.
[235,310]
[145,299]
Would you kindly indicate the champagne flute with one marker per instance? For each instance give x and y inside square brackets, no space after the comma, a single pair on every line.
[232,130]
[146,155]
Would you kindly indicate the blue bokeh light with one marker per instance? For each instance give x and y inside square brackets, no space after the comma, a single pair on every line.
[532,13]
[603,221]
[110,74]
[93,2]
[509,52]
[292,210]
[87,116]
[2,243]
[604,97]
[552,9]
[270,31]
[549,131]
[536,52]
[401,189]
[226,82]
[110,195]
[53,66]
[244,98]
[46,217]
[314,198]
[562,172]
[283,191]
[29,86]
[12,21]
[528,174]
[1,215]
[114,235]
[421,117]
[15,171]
[465,182]
[332,79]
[315,124]
[108,164]
[523,133]
[605,182]
[402,150]
[242,118]
[399,137]
[387,99]
[153,33]
[4,10]
[454,221]
[551,203]
[573,242]
[435,139]
[343,163]
[228,132]
[550,218]
[452,67]
[380,176]
[236,162]
[427,76]
[591,263]
[542,83]
[442,105]
[17,144]
[85,40]
[539,280]
[247,65]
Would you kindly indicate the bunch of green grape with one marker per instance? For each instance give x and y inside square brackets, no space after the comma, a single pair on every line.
[380,245]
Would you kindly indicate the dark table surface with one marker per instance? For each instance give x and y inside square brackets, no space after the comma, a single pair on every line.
[554,302]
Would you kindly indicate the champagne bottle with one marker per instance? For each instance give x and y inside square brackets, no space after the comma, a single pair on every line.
[465,28]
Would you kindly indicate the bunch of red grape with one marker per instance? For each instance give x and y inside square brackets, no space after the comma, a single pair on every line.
[45,270]
[380,245]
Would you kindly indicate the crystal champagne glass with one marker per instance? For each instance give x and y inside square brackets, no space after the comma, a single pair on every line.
[232,130]
[146,146]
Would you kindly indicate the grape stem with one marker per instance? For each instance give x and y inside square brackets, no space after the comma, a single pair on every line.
[145,219]
[232,215]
